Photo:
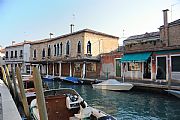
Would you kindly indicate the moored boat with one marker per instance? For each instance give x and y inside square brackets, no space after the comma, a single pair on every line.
[73,80]
[48,78]
[67,104]
[112,84]
[174,92]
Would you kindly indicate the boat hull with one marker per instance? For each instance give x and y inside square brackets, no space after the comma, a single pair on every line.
[119,87]
[174,92]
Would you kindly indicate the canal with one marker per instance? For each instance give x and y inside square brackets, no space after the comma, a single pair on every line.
[131,105]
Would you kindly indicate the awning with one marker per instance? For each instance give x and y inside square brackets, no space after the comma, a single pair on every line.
[136,57]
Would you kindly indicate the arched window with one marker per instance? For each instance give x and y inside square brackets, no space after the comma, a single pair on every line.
[61,48]
[54,50]
[89,47]
[34,53]
[79,47]
[49,50]
[43,53]
[67,48]
[58,49]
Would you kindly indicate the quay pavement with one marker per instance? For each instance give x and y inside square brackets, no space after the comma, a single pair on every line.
[8,109]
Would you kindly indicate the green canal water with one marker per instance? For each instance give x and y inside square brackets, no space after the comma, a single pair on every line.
[131,105]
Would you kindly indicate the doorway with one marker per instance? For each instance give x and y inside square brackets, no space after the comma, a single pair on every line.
[161,68]
[147,69]
[118,68]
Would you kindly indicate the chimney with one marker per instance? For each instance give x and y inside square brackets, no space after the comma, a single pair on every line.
[165,28]
[165,17]
[13,42]
[72,28]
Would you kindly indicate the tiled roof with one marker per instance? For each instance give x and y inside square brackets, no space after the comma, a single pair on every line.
[19,44]
[86,30]
[143,36]
[175,22]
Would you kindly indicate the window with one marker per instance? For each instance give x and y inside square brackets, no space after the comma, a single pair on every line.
[54,50]
[6,54]
[21,53]
[43,53]
[91,67]
[57,49]
[89,47]
[133,66]
[11,54]
[175,63]
[61,48]
[67,48]
[79,47]
[34,53]
[49,51]
[15,54]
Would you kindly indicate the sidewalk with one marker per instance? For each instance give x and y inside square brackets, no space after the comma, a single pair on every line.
[9,109]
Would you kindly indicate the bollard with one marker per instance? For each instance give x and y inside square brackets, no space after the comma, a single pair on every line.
[23,96]
[39,94]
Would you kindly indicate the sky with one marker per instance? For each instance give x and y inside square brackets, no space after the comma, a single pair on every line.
[34,19]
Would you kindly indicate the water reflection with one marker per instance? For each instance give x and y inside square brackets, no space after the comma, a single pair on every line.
[128,105]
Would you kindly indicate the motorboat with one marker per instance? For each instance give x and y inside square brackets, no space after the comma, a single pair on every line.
[73,80]
[67,104]
[112,84]
[174,92]
[48,78]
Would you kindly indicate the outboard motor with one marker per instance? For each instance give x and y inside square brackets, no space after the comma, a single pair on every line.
[72,101]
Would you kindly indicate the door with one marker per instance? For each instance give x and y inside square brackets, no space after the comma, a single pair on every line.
[147,69]
[118,68]
[161,68]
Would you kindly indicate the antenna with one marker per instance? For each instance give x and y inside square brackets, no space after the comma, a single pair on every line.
[172,9]
[72,25]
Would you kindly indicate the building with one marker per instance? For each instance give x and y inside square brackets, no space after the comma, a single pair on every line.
[154,56]
[74,54]
[110,64]
[2,54]
[18,54]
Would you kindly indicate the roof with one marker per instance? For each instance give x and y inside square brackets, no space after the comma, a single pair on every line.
[87,30]
[152,36]
[74,33]
[146,35]
[176,22]
[19,44]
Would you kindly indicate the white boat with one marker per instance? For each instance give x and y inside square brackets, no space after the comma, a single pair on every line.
[174,92]
[112,84]
[67,104]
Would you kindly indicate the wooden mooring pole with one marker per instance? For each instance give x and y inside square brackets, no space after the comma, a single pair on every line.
[16,97]
[39,94]
[9,81]
[23,96]
[4,76]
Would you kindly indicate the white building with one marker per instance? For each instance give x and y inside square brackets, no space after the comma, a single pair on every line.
[18,55]
[2,54]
